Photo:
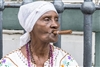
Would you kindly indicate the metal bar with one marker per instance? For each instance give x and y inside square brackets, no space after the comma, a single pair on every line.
[27,1]
[1,49]
[66,6]
[87,0]
[16,5]
[77,6]
[12,5]
[97,49]
[87,40]
[1,9]
[87,8]
[97,7]
[72,6]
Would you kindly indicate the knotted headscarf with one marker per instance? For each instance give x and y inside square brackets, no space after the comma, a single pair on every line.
[29,14]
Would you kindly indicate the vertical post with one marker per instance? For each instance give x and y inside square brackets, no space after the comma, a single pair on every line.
[87,41]
[88,8]
[97,49]
[59,5]
[1,34]
[1,9]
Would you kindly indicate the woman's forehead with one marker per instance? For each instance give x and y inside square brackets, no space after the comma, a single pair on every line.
[50,13]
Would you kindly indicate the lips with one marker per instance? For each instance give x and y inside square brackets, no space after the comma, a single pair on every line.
[53,32]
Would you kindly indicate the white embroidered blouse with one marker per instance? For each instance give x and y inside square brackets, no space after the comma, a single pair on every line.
[17,59]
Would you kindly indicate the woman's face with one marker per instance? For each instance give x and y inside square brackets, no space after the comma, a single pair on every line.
[44,27]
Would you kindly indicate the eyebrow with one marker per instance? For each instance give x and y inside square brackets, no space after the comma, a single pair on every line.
[50,16]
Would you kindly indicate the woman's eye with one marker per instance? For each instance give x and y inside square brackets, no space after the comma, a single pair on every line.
[56,19]
[46,19]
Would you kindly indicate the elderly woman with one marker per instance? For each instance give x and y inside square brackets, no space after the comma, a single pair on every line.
[40,20]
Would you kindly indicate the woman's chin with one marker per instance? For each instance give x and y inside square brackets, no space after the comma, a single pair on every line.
[54,40]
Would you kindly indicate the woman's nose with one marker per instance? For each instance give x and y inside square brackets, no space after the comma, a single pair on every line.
[55,25]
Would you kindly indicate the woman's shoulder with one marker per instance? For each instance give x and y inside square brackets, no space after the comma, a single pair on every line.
[7,60]
[66,60]
[61,51]
[12,53]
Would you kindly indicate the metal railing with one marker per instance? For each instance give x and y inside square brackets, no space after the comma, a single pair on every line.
[1,9]
[87,9]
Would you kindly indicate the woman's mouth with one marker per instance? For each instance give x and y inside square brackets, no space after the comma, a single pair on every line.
[54,33]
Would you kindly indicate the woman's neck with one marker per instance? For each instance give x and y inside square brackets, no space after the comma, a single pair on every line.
[39,49]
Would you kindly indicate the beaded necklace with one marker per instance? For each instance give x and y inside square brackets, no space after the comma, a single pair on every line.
[29,56]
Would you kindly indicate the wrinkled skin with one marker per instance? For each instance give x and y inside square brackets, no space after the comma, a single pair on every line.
[44,27]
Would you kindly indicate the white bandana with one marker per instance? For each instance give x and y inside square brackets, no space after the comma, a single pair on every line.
[29,14]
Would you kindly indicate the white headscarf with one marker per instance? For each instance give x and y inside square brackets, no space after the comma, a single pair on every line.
[29,14]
